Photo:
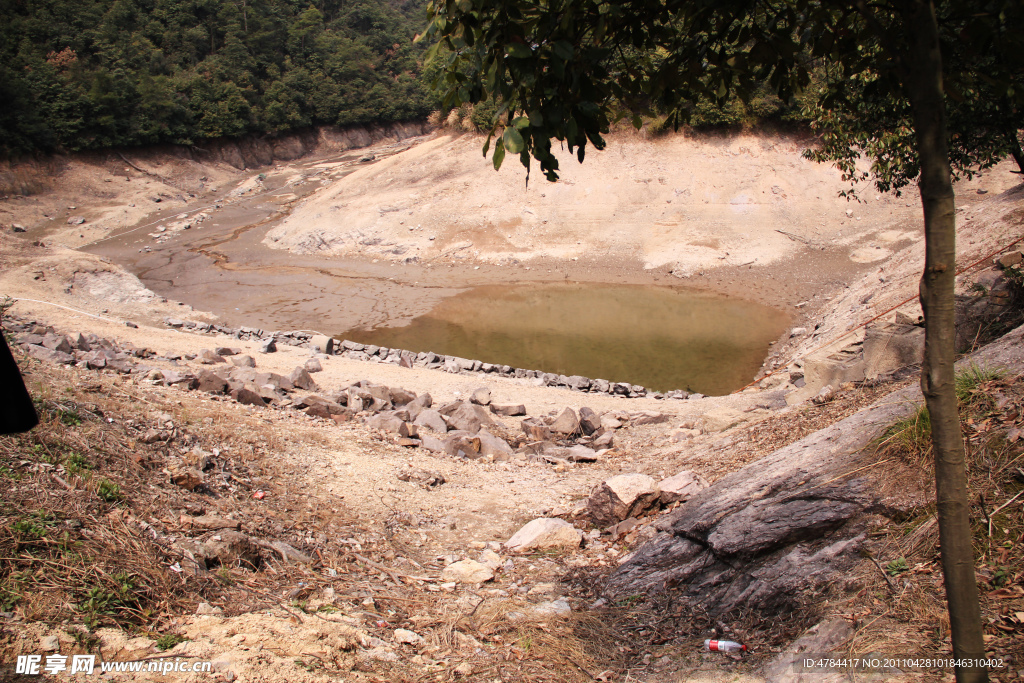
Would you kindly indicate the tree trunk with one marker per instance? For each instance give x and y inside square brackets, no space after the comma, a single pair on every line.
[924,86]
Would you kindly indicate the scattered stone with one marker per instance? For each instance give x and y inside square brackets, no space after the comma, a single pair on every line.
[313,365]
[243,361]
[508,410]
[428,479]
[268,346]
[1009,259]
[481,396]
[826,394]
[622,496]
[432,420]
[205,608]
[606,440]
[187,478]
[679,488]
[590,422]
[408,637]
[49,644]
[211,382]
[491,559]
[225,351]
[535,429]
[568,423]
[300,378]
[76,220]
[469,418]
[543,533]
[247,396]
[232,548]
[492,446]
[467,571]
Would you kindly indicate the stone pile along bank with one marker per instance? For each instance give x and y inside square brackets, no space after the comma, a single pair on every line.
[427,359]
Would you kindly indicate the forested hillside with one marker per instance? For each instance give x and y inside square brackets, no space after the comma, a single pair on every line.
[81,74]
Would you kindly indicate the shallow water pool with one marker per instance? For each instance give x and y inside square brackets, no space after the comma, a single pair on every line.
[659,337]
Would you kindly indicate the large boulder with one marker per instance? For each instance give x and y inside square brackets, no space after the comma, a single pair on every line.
[622,496]
[543,533]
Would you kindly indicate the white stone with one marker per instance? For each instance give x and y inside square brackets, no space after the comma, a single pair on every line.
[545,532]
[405,636]
[467,571]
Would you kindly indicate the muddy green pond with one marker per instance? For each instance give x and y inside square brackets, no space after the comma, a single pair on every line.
[659,337]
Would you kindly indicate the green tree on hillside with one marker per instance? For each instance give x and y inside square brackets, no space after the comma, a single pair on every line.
[562,69]
[97,73]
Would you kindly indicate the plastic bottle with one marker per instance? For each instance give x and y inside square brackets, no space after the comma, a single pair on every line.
[724,646]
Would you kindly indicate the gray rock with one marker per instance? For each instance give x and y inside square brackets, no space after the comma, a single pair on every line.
[49,355]
[590,422]
[535,429]
[268,346]
[567,423]
[57,342]
[208,357]
[622,496]
[481,396]
[211,382]
[225,351]
[468,418]
[248,396]
[508,410]
[313,365]
[432,420]
[401,397]
[243,361]
[300,378]
[492,446]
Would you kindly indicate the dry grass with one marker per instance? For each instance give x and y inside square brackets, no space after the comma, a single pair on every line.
[901,607]
[74,559]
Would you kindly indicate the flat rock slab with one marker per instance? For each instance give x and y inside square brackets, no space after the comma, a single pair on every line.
[543,533]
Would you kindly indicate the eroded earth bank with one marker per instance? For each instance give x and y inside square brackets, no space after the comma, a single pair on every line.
[218,479]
